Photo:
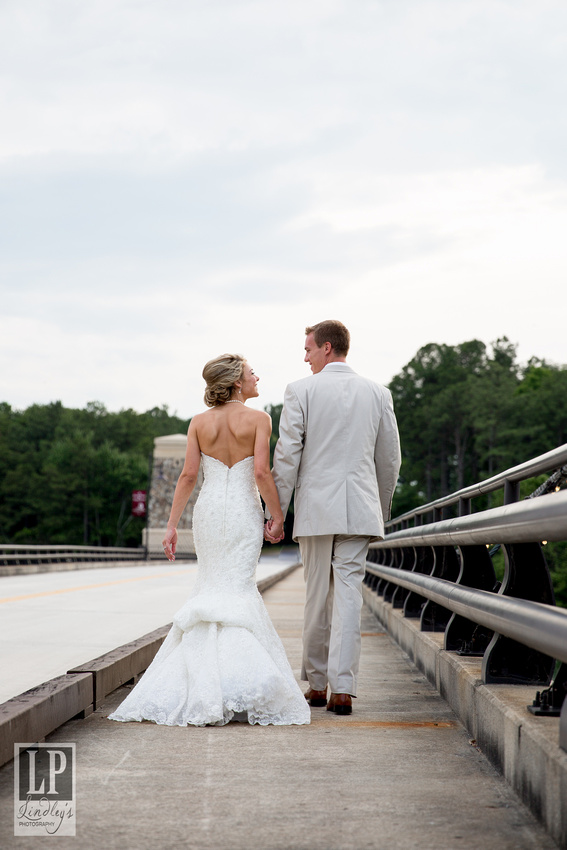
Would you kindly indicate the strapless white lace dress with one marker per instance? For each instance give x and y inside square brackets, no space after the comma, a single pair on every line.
[222,658]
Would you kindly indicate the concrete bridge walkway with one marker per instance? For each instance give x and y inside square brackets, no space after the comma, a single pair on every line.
[399,773]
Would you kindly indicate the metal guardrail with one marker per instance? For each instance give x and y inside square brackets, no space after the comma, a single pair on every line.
[21,553]
[535,520]
[541,627]
[442,573]
[508,480]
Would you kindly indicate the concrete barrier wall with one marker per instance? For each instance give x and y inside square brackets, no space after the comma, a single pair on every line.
[523,747]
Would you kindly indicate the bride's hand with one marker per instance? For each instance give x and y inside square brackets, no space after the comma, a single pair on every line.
[169,543]
[274,532]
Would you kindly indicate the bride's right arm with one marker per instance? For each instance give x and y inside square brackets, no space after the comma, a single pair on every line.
[185,486]
[263,475]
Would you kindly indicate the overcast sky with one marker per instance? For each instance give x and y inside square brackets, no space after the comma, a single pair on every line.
[183,178]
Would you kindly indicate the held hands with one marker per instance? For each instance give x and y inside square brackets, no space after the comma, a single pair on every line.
[273,531]
[169,543]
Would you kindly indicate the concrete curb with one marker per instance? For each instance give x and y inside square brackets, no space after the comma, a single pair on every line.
[29,717]
[269,581]
[37,712]
[64,566]
[114,668]
[524,748]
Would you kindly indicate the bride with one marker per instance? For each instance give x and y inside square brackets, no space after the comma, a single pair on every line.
[222,659]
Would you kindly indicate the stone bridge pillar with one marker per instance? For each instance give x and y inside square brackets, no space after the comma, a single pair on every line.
[169,454]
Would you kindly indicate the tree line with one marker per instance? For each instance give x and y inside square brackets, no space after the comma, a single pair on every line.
[468,411]
[66,475]
[465,412]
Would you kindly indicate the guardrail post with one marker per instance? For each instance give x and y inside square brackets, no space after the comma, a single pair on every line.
[548,703]
[434,617]
[424,563]
[390,587]
[388,560]
[383,557]
[526,577]
[511,492]
[407,562]
[461,635]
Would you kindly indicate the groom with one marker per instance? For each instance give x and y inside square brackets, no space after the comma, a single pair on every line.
[339,450]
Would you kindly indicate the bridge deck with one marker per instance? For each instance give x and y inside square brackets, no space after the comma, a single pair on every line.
[399,773]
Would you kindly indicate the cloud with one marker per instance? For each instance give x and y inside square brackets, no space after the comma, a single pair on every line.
[185,178]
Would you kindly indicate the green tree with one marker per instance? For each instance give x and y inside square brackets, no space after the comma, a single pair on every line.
[431,397]
[86,488]
[66,475]
[467,411]
[541,407]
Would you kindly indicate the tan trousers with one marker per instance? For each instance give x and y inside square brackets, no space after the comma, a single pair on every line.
[334,569]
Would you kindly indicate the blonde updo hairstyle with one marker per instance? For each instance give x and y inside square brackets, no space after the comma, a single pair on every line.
[220,375]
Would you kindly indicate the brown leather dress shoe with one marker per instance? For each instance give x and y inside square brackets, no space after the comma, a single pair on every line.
[316,699]
[340,704]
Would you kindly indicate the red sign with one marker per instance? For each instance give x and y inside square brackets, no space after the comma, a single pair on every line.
[138,502]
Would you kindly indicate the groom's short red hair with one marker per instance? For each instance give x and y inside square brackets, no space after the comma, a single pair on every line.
[331,331]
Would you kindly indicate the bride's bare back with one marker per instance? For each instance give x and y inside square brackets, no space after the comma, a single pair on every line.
[227,432]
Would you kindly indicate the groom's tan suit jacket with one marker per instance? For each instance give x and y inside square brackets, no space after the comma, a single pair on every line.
[339,450]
